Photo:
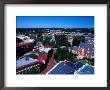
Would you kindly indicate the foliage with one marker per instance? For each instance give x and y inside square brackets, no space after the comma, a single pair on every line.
[42,52]
[18,40]
[31,56]
[52,43]
[40,37]
[56,46]
[75,59]
[83,39]
[46,41]
[76,41]
[90,60]
[62,54]
[32,71]
[85,61]
[61,40]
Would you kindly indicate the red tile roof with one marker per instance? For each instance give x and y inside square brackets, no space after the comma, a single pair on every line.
[42,57]
[47,46]
[23,43]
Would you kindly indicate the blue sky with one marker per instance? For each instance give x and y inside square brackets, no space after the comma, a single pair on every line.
[55,21]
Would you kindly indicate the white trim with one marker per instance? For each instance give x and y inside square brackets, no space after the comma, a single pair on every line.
[53,67]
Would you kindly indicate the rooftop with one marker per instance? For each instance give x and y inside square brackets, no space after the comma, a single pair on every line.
[65,68]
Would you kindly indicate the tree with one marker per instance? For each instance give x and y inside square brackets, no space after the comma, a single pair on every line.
[34,56]
[32,71]
[40,37]
[83,39]
[46,41]
[18,40]
[62,54]
[91,61]
[61,40]
[76,41]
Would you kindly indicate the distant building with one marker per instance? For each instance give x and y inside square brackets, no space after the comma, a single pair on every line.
[53,38]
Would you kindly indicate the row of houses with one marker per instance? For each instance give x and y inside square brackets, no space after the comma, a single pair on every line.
[25,61]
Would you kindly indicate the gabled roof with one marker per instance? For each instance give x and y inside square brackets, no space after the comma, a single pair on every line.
[86,69]
[68,68]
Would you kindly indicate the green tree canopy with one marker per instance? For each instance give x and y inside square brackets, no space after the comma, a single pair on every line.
[62,40]
[32,71]
[18,40]
[76,41]
[46,41]
[39,37]
[62,54]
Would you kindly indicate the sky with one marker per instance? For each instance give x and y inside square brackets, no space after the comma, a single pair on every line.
[54,21]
